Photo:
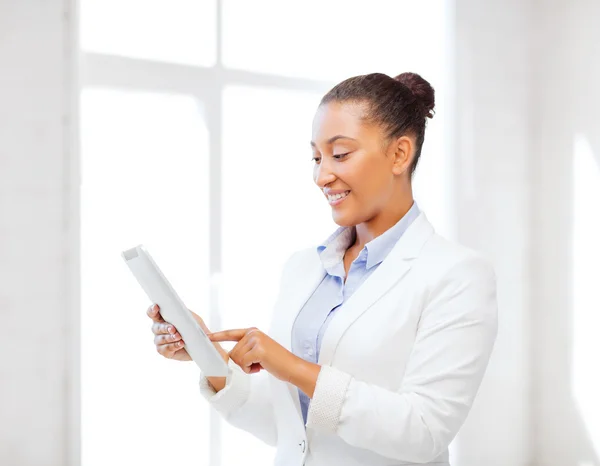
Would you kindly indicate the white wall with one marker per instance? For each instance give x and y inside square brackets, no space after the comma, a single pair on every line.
[566,102]
[492,171]
[37,237]
[527,76]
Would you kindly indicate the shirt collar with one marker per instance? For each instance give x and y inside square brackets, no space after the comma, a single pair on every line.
[332,250]
[380,247]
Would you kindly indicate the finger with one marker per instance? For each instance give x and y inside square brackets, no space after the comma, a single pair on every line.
[228,335]
[246,343]
[170,349]
[159,328]
[254,368]
[250,360]
[241,350]
[166,339]
[154,314]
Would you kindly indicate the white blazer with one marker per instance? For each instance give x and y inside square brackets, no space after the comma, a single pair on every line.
[402,360]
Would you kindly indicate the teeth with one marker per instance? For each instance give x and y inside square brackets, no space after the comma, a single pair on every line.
[335,197]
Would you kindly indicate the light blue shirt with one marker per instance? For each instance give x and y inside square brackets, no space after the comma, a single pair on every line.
[332,292]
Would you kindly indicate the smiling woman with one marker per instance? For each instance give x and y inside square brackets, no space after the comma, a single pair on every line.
[378,125]
[381,334]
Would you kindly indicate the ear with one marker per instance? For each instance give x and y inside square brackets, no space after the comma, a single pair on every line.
[402,151]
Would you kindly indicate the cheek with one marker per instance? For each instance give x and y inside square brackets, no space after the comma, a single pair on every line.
[364,176]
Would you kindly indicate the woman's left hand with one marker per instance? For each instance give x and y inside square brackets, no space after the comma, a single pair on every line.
[255,351]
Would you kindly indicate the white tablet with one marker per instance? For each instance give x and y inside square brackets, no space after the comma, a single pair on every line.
[172,309]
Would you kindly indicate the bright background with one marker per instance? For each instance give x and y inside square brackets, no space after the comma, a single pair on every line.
[185,125]
[233,146]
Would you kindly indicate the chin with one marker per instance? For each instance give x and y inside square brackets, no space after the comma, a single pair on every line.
[344,220]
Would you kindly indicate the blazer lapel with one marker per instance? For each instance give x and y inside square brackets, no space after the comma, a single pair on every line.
[389,272]
[308,274]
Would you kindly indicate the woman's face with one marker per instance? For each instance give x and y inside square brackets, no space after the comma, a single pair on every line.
[355,168]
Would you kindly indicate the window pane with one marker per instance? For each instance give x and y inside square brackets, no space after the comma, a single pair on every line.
[179,31]
[144,168]
[334,39]
[271,208]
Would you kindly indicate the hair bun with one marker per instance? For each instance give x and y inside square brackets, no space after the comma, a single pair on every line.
[421,89]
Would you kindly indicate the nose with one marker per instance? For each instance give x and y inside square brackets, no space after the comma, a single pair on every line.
[323,174]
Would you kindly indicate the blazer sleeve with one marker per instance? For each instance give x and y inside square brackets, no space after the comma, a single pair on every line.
[244,402]
[454,341]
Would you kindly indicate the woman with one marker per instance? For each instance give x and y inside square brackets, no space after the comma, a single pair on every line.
[381,335]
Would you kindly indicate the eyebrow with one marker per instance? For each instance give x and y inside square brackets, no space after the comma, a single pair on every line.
[333,139]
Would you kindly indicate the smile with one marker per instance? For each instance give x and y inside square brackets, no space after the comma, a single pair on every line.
[337,198]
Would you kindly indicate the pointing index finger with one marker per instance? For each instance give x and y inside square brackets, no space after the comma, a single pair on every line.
[228,335]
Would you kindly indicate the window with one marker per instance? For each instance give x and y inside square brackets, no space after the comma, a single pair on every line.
[144,180]
[196,119]
[176,31]
[267,168]
[331,40]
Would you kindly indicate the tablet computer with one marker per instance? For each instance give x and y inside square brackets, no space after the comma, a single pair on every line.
[172,309]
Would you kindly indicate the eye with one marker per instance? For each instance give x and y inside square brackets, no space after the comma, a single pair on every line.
[340,156]
[316,159]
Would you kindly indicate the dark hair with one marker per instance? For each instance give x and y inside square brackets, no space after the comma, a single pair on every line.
[401,104]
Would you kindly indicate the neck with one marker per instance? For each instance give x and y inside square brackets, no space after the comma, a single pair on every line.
[380,223]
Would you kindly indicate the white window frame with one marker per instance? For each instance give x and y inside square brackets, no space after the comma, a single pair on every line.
[206,84]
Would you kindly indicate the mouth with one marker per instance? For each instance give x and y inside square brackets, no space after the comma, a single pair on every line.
[337,199]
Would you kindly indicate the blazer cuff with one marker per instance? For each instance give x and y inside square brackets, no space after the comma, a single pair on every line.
[233,395]
[328,399]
